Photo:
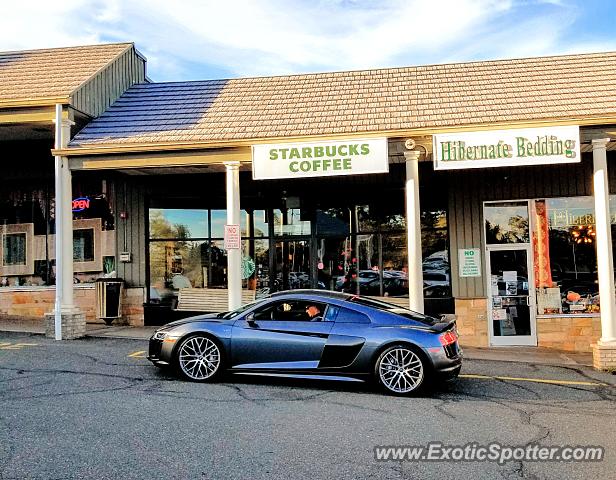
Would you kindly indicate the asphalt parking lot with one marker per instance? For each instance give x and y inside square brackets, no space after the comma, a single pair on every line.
[96,408]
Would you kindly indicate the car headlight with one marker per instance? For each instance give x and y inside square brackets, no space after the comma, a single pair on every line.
[160,335]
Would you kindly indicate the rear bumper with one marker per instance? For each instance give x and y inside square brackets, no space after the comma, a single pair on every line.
[449,373]
[447,361]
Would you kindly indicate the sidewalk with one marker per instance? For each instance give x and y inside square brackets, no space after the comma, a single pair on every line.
[540,356]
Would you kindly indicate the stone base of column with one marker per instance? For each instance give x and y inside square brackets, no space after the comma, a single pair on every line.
[73,325]
[604,357]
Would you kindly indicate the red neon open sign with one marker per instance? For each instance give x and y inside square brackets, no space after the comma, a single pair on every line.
[80,204]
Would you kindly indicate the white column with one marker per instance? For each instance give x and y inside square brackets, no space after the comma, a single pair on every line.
[234,256]
[605,261]
[67,237]
[59,211]
[413,231]
[64,224]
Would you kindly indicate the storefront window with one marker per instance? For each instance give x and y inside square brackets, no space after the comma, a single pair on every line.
[187,251]
[395,258]
[333,221]
[255,265]
[565,256]
[218,220]
[260,227]
[175,265]
[290,222]
[178,223]
[506,222]
[27,228]
[14,249]
[435,254]
[83,245]
[349,251]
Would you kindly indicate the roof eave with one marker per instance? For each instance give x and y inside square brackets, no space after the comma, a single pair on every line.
[119,148]
[34,102]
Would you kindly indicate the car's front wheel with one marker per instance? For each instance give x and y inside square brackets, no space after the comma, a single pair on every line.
[400,370]
[199,358]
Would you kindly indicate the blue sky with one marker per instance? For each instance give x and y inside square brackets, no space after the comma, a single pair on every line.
[203,39]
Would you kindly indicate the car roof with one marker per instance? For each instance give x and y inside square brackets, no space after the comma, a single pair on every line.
[312,292]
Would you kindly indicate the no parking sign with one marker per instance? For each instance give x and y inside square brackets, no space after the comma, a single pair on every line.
[232,237]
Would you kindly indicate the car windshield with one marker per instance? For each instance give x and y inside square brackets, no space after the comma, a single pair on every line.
[238,311]
[390,307]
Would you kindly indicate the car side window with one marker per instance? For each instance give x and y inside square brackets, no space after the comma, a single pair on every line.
[331,313]
[346,315]
[291,310]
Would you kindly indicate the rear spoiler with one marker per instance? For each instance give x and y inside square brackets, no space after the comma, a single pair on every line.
[447,321]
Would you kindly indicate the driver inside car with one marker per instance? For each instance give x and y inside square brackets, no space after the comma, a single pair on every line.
[314,313]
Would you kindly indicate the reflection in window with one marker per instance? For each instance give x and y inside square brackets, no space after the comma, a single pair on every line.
[334,262]
[175,265]
[290,222]
[388,217]
[255,265]
[178,223]
[260,227]
[218,220]
[83,245]
[506,222]
[435,254]
[395,262]
[564,255]
[333,221]
[14,249]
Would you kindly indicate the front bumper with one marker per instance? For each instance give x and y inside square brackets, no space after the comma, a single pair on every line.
[155,353]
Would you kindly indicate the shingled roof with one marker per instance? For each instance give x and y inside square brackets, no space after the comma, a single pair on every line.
[54,73]
[386,100]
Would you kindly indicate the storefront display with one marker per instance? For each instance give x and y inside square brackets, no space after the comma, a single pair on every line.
[27,230]
[359,249]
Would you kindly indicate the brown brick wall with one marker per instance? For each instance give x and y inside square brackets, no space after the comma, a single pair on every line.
[35,303]
[604,357]
[472,322]
[573,334]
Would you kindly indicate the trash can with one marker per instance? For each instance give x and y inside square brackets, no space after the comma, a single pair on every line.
[109,299]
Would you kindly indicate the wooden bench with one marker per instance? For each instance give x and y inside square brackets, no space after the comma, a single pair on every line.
[211,300]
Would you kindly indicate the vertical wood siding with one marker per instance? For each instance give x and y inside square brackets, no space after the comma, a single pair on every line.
[468,190]
[104,88]
[130,232]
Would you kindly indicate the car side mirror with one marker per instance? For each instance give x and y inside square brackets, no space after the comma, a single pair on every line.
[250,319]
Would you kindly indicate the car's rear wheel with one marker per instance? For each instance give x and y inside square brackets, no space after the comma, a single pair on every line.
[199,358]
[400,370]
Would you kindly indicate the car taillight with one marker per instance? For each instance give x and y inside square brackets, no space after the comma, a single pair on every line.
[448,338]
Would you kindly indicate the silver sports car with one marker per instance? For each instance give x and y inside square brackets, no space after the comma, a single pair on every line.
[313,334]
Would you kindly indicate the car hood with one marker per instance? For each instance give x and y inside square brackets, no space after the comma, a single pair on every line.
[208,317]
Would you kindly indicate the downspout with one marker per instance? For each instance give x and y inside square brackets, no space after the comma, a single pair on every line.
[58,220]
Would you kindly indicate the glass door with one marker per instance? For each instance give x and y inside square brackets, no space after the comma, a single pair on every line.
[292,265]
[511,299]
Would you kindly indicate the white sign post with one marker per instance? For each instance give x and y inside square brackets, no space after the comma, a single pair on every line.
[469,262]
[233,238]
[506,148]
[320,159]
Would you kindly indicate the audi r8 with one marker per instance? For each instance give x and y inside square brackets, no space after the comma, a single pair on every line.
[313,334]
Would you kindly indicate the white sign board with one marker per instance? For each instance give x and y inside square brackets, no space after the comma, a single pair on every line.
[233,237]
[469,262]
[503,148]
[320,159]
